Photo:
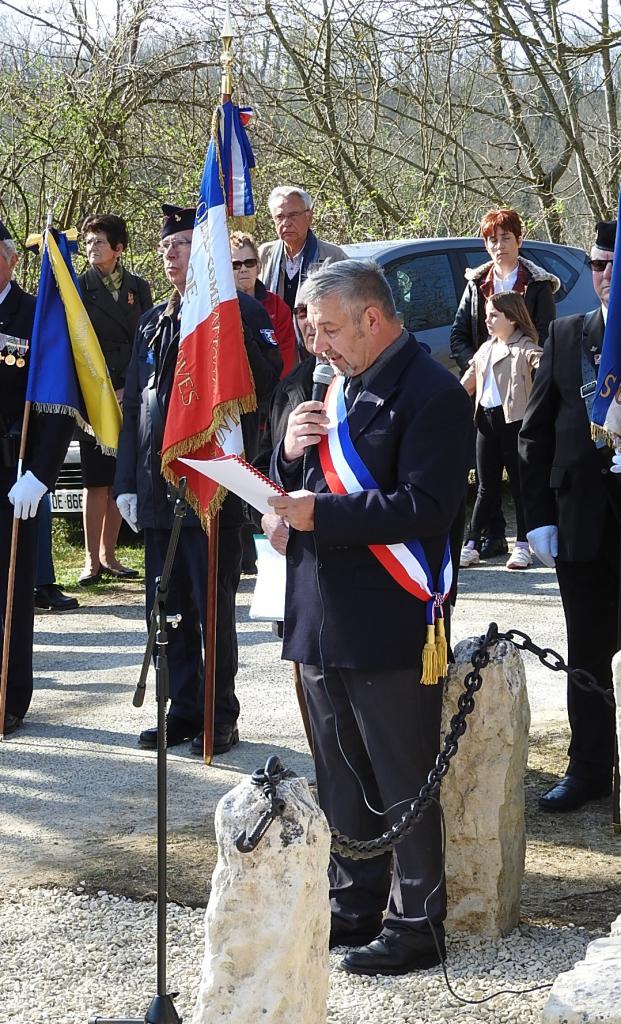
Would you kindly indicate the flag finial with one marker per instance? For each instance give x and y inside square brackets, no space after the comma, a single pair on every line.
[226,57]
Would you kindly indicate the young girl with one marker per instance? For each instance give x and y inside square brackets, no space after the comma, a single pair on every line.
[500,374]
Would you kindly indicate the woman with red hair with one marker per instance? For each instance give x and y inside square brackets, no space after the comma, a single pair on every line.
[505,271]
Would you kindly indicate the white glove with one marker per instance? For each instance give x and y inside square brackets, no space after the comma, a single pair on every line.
[127,505]
[615,466]
[544,542]
[25,495]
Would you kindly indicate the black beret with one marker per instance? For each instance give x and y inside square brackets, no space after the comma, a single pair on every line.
[177,218]
[605,234]
[4,234]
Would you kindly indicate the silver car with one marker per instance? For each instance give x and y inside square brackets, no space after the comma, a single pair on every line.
[427,279]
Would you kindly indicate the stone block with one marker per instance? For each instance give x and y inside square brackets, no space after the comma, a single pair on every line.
[267,922]
[483,794]
[591,992]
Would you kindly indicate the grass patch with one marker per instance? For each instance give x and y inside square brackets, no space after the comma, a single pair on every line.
[68,548]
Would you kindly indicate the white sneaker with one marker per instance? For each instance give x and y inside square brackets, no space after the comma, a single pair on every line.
[520,559]
[468,557]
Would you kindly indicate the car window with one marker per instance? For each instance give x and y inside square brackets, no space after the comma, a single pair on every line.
[424,290]
[475,257]
[549,260]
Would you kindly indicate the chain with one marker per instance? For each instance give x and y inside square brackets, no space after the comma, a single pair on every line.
[365,849]
[578,676]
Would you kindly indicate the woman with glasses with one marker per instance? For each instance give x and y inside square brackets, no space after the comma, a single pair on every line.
[245,256]
[114,299]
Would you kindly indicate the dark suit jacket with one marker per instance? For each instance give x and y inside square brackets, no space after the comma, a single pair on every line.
[115,320]
[48,433]
[414,432]
[565,479]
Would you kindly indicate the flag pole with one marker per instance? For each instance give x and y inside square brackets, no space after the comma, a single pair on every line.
[226,89]
[10,590]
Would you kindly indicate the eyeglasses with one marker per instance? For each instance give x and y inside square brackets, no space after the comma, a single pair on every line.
[172,243]
[249,263]
[96,243]
[299,311]
[599,266]
[280,218]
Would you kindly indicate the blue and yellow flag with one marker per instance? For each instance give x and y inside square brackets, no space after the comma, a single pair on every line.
[67,371]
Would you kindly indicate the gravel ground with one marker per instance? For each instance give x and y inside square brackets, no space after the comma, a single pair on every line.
[78,819]
[97,959]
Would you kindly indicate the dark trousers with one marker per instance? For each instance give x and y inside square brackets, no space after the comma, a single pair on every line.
[496,449]
[19,683]
[590,595]
[187,596]
[45,562]
[388,726]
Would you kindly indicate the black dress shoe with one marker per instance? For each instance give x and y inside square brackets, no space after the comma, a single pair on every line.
[364,933]
[50,596]
[124,573]
[178,730]
[493,546]
[88,579]
[11,723]
[388,954]
[571,793]
[224,737]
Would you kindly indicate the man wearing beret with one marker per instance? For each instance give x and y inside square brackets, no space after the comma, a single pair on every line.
[143,498]
[48,438]
[572,504]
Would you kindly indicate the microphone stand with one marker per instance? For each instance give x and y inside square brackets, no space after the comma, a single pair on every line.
[161,1009]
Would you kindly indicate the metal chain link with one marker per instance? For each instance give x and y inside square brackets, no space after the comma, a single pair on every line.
[365,849]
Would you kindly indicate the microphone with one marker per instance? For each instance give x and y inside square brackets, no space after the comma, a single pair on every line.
[322,377]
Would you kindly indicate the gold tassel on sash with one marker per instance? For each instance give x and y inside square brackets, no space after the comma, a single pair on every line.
[441,648]
[430,667]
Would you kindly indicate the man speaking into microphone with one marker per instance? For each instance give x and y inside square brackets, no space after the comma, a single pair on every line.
[374,481]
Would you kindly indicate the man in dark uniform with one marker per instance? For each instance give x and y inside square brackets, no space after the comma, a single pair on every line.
[143,498]
[572,506]
[48,439]
[405,429]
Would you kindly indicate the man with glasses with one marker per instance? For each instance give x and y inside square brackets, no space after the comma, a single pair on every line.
[572,504]
[286,261]
[143,499]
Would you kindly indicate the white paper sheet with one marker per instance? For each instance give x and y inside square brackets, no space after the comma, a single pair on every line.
[238,476]
[268,600]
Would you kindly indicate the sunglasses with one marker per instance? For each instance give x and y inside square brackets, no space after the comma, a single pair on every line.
[238,264]
[299,311]
[599,266]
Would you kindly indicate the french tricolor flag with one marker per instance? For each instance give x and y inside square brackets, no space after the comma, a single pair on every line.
[213,383]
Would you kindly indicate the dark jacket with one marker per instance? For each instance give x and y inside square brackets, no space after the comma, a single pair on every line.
[565,479]
[115,320]
[147,392]
[48,433]
[414,432]
[469,332]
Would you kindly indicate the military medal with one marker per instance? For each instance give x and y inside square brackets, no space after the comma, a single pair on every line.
[13,350]
[131,298]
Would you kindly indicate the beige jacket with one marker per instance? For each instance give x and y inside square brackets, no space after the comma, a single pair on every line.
[327,252]
[513,363]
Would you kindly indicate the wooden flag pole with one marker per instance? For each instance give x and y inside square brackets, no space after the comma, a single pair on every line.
[214,527]
[8,613]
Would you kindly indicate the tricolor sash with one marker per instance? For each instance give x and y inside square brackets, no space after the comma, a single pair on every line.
[345,473]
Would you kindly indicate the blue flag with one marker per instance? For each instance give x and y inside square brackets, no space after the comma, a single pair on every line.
[606,413]
[67,371]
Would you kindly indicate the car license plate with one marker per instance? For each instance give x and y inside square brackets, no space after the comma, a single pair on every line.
[66,501]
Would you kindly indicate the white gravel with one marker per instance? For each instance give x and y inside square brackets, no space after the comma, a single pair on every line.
[68,957]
